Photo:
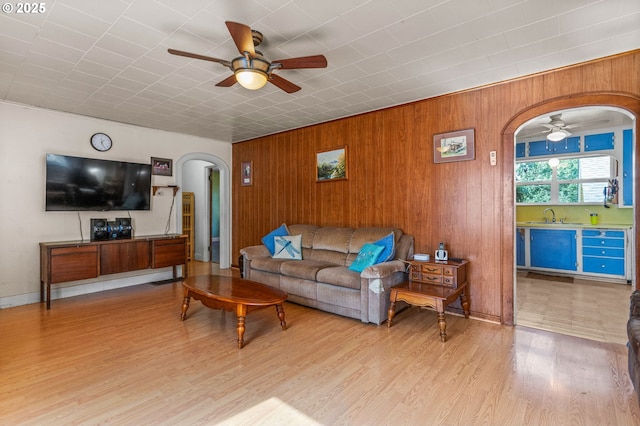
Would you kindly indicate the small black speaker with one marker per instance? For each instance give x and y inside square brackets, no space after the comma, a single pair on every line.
[99,229]
[126,230]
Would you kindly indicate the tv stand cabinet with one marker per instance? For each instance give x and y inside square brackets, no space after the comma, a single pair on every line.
[66,261]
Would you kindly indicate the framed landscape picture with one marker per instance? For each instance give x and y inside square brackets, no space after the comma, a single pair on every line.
[454,146]
[331,165]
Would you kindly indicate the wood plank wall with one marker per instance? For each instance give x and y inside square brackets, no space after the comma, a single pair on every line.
[392,180]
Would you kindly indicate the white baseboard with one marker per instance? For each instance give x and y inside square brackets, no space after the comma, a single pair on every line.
[77,290]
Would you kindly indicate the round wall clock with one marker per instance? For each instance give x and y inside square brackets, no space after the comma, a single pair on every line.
[101,142]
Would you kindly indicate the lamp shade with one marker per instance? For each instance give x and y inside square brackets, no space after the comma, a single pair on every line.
[557,135]
[251,73]
[251,79]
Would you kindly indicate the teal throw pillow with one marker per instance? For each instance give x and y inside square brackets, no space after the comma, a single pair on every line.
[267,240]
[388,244]
[366,257]
[288,247]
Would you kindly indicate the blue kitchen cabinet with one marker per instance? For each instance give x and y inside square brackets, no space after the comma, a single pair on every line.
[627,167]
[565,146]
[603,251]
[520,246]
[598,142]
[521,150]
[553,249]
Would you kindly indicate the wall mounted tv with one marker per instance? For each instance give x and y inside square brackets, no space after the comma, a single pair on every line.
[76,183]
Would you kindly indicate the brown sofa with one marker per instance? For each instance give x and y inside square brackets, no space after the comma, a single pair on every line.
[323,280]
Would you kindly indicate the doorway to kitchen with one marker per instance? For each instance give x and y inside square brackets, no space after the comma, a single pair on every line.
[575,222]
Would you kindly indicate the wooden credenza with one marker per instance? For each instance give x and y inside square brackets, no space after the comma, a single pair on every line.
[66,261]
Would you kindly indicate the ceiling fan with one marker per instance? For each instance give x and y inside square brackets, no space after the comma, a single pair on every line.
[557,129]
[251,69]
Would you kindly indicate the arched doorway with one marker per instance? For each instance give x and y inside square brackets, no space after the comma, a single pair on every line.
[622,101]
[225,201]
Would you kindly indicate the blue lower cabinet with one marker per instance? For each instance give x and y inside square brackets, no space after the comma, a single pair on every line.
[553,249]
[603,252]
[520,246]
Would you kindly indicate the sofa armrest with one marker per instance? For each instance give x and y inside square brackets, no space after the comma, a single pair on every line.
[634,308]
[254,252]
[383,269]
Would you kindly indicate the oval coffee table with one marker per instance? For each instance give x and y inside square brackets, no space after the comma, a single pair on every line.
[233,294]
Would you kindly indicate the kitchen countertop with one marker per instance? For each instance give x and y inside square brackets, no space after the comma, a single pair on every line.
[571,225]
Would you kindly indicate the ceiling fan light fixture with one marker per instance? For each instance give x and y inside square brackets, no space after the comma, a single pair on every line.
[251,73]
[557,135]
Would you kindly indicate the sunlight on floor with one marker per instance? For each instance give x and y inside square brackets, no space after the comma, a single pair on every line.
[271,412]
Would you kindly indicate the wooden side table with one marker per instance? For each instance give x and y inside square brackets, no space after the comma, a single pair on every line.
[429,295]
[434,285]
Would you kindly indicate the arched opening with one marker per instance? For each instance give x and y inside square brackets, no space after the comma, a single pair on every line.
[225,201]
[622,101]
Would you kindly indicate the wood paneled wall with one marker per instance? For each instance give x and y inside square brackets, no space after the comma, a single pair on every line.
[392,180]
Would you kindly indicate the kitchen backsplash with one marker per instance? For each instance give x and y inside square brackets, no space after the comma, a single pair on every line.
[577,214]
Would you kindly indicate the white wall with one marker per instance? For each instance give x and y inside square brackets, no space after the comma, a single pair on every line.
[26,135]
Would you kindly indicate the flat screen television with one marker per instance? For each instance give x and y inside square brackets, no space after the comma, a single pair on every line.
[76,183]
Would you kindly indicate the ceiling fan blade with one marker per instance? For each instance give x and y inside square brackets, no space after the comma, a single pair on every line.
[228,82]
[241,35]
[196,56]
[283,84]
[316,61]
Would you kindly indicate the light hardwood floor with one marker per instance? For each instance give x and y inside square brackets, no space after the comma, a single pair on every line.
[584,308]
[124,357]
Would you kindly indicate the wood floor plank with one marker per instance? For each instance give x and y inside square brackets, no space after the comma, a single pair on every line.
[124,357]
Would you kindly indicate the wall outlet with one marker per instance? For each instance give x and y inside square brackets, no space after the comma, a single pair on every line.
[493,159]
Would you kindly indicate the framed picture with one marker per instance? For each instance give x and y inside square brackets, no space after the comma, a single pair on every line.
[161,166]
[331,165]
[454,146]
[247,173]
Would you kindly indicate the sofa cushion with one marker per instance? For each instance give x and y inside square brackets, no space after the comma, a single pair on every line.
[366,257]
[334,239]
[308,233]
[288,247]
[267,240]
[388,244]
[267,264]
[340,276]
[305,269]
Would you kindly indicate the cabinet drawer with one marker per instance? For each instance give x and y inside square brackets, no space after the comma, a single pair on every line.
[73,263]
[603,242]
[169,252]
[432,269]
[603,252]
[600,233]
[603,265]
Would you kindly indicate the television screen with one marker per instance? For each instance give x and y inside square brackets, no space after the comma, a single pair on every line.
[75,183]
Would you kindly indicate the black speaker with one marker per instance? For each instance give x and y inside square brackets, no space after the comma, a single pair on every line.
[126,230]
[99,229]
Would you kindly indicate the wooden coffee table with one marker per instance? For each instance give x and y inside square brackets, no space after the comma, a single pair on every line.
[233,294]
[429,295]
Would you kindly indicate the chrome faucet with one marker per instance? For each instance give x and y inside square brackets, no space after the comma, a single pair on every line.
[544,214]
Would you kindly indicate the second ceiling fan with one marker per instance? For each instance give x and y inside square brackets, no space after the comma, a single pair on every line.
[251,69]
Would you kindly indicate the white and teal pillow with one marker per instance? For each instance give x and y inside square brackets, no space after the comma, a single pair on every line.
[288,247]
[367,256]
[267,240]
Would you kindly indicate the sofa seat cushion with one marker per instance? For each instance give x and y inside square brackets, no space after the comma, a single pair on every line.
[268,264]
[305,269]
[340,276]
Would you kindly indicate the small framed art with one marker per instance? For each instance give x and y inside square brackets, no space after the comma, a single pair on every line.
[454,146]
[161,166]
[331,164]
[247,173]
